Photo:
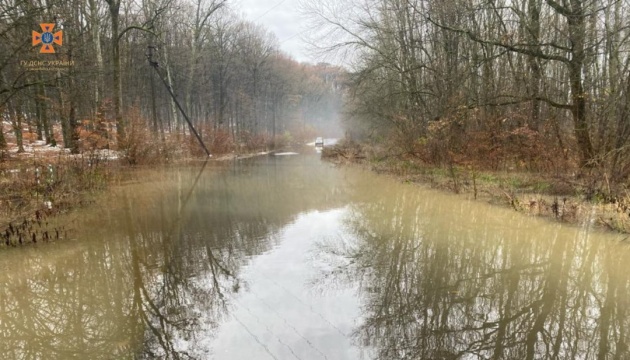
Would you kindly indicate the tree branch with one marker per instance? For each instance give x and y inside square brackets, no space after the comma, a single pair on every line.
[559,8]
[531,52]
[520,100]
[137,28]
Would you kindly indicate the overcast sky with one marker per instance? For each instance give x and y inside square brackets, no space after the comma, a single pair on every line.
[282,18]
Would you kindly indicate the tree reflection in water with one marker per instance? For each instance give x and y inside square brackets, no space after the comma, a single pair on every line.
[199,252]
[157,270]
[472,284]
[125,295]
[157,266]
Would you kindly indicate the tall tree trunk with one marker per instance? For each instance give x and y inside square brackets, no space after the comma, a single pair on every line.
[114,13]
[534,66]
[17,125]
[98,54]
[39,101]
[576,22]
[73,134]
[63,118]
[3,141]
[169,80]
[154,114]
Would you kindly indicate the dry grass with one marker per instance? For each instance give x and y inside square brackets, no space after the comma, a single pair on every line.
[564,198]
[344,151]
[32,190]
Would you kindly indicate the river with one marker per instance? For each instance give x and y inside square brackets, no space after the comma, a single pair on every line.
[289,257]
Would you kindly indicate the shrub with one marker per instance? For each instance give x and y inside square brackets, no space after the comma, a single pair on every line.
[140,145]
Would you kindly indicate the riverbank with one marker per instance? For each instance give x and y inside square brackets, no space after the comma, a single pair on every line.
[559,197]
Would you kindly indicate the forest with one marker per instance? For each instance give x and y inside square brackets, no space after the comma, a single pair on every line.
[99,91]
[120,237]
[530,85]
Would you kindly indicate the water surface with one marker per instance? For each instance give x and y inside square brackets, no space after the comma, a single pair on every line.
[290,258]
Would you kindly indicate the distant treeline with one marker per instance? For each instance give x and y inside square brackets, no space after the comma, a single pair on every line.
[229,74]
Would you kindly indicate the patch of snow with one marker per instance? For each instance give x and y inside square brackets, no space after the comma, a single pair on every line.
[285,154]
[51,149]
[108,154]
[103,154]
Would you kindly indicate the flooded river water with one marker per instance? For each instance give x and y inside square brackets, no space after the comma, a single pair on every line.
[288,257]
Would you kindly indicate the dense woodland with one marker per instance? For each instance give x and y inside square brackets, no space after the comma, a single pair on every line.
[228,74]
[528,84]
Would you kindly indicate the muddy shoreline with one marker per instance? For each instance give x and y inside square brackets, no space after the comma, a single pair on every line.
[560,198]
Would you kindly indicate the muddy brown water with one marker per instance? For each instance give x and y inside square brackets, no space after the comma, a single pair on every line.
[291,258]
